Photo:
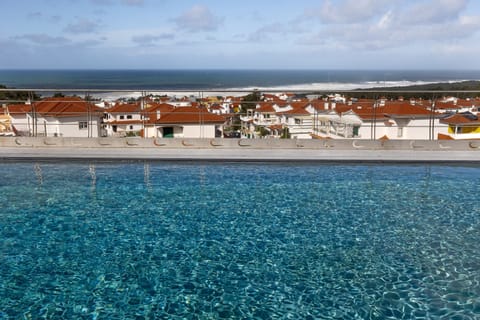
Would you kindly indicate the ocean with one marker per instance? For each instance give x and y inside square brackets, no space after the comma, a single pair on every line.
[115,84]
[226,79]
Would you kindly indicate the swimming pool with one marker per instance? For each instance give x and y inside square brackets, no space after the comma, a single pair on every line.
[233,240]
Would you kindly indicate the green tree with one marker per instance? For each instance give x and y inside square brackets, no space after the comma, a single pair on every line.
[16,96]
[250,101]
[285,133]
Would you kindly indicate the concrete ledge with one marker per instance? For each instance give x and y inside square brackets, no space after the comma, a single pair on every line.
[240,149]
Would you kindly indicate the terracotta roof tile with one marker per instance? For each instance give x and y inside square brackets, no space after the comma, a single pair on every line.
[189,115]
[297,111]
[265,107]
[124,108]
[57,107]
[405,109]
[15,109]
[460,119]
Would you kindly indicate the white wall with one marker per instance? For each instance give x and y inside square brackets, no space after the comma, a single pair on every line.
[68,127]
[196,131]
[415,129]
[184,131]
[21,123]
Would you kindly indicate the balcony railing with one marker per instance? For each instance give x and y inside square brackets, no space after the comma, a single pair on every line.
[366,114]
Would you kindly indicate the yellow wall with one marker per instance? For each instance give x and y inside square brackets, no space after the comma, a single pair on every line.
[471,129]
[451,129]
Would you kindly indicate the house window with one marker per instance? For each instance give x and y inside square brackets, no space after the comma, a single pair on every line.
[298,121]
[122,117]
[82,125]
[355,131]
[131,127]
[400,132]
[129,116]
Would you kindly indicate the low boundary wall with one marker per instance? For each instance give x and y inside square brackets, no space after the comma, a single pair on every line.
[241,149]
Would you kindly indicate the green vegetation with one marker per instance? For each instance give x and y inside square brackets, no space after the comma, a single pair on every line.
[263,132]
[422,91]
[16,96]
[285,133]
[132,134]
[250,101]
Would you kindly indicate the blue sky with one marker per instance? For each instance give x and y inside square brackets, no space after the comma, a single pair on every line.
[247,34]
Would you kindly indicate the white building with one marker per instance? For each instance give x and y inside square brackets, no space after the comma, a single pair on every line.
[122,120]
[373,120]
[58,116]
[185,122]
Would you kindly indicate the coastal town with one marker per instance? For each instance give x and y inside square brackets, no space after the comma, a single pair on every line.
[253,116]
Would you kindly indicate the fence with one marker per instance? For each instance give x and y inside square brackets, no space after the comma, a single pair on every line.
[342,114]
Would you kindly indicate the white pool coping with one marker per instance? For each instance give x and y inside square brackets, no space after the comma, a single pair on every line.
[240,149]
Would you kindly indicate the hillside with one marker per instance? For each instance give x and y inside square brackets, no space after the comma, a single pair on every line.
[422,91]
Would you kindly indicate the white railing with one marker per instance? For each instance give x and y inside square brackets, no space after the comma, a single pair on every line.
[32,120]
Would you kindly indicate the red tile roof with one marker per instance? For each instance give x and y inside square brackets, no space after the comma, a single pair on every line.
[446,105]
[297,111]
[342,107]
[265,107]
[298,104]
[404,109]
[466,103]
[190,115]
[162,107]
[57,107]
[391,109]
[15,109]
[124,108]
[151,113]
[318,105]
[460,119]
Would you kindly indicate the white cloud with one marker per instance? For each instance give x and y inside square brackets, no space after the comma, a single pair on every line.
[35,15]
[43,39]
[433,12]
[151,39]
[395,27]
[262,34]
[198,18]
[82,25]
[348,11]
[277,29]
[385,21]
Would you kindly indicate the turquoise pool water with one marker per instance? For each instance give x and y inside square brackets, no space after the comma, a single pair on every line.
[241,241]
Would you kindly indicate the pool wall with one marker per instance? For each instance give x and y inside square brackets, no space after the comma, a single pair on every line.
[241,149]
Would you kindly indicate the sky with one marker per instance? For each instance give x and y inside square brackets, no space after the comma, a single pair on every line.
[247,34]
